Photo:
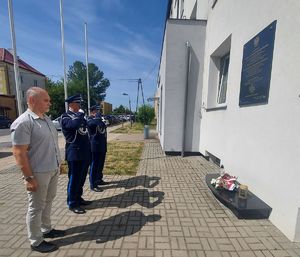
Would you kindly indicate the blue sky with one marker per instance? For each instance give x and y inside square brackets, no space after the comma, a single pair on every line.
[124,37]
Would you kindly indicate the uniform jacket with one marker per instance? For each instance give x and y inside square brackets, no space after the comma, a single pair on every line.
[98,133]
[74,128]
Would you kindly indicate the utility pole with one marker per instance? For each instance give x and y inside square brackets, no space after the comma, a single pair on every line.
[16,63]
[63,51]
[87,67]
[140,85]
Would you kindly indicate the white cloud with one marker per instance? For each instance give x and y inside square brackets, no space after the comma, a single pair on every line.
[143,52]
[103,57]
[126,30]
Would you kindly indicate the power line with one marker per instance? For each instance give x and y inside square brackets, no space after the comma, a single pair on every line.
[151,71]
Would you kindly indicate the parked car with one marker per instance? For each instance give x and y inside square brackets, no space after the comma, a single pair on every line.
[5,122]
[56,123]
[112,119]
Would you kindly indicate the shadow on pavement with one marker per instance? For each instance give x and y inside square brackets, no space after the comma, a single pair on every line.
[121,225]
[145,181]
[139,196]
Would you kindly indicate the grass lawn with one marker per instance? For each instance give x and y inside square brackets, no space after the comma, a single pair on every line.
[122,158]
[136,128]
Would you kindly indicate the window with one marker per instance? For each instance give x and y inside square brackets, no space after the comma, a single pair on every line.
[21,79]
[218,76]
[223,76]
[35,83]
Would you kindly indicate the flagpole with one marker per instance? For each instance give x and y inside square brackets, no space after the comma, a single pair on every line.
[63,51]
[87,66]
[16,64]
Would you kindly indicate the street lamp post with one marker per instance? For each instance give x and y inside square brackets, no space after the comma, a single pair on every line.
[129,108]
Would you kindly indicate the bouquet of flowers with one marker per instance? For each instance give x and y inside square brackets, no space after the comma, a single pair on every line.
[225,181]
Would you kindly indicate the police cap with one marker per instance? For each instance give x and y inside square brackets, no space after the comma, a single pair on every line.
[74,99]
[95,108]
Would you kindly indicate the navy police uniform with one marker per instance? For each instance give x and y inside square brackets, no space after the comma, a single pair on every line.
[98,139]
[78,153]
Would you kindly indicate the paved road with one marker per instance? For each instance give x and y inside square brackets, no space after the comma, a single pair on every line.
[4,132]
[5,138]
[7,161]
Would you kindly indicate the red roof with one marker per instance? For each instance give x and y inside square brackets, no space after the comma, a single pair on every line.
[6,56]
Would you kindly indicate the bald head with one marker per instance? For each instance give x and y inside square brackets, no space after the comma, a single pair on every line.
[38,100]
[34,92]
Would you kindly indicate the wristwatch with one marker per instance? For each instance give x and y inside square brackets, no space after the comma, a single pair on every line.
[28,178]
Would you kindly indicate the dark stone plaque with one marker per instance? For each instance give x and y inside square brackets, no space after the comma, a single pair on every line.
[257,67]
[250,208]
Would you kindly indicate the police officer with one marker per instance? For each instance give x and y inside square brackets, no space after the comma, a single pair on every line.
[78,152]
[98,138]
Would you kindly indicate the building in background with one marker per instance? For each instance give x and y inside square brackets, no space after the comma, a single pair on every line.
[228,88]
[8,106]
[28,77]
[106,108]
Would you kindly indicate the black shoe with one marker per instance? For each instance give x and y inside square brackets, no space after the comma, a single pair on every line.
[77,210]
[84,202]
[97,189]
[103,183]
[44,247]
[54,233]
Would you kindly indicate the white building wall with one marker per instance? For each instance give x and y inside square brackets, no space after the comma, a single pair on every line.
[260,144]
[178,32]
[161,94]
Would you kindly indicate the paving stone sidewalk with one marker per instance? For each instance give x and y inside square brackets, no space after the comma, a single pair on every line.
[165,210]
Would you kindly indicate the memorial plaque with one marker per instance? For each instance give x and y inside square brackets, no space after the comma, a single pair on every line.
[257,67]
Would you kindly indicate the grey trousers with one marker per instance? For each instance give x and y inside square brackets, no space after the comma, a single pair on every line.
[39,206]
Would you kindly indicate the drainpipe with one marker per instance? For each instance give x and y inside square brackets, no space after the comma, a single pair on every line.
[188,56]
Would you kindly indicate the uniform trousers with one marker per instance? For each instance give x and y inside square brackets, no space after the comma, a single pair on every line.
[77,175]
[96,168]
[39,205]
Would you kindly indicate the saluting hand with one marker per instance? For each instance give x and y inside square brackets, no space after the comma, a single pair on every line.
[80,114]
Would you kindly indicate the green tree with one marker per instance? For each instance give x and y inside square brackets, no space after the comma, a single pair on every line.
[119,110]
[145,114]
[56,92]
[77,82]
